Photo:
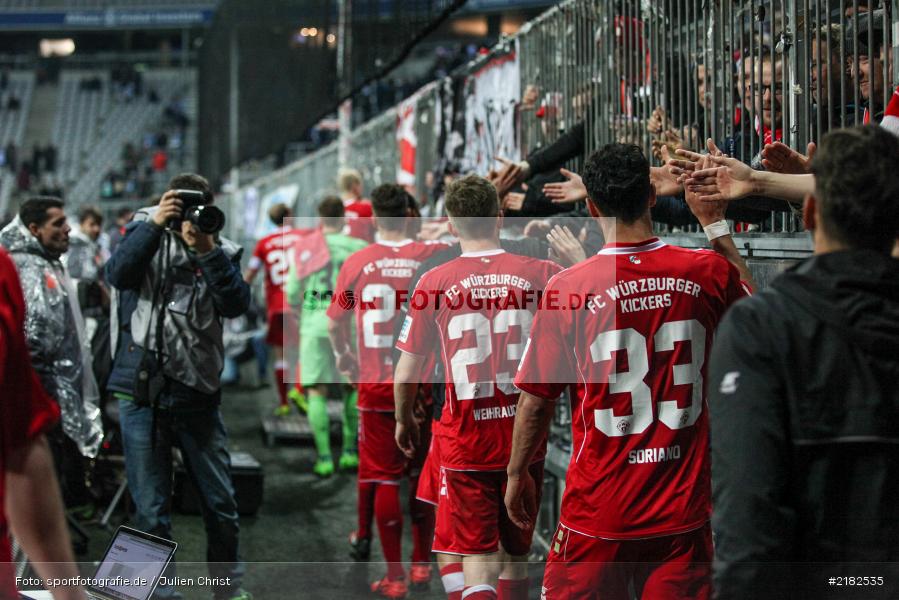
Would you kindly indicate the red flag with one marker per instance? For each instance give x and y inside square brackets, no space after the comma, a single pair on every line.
[407,142]
[311,253]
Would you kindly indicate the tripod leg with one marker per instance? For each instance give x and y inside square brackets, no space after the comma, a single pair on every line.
[114,503]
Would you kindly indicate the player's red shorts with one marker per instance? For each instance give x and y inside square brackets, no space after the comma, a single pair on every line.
[671,567]
[472,517]
[380,459]
[430,477]
[283,330]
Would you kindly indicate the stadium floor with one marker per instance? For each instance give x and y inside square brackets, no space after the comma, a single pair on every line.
[296,546]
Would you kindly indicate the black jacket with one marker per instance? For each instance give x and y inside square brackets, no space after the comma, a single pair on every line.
[568,146]
[211,283]
[804,400]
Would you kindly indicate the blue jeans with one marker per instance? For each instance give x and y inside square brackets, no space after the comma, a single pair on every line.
[201,436]
[231,371]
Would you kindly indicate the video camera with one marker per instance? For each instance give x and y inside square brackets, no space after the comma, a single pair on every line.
[207,218]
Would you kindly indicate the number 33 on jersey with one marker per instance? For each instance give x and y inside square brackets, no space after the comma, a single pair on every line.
[630,329]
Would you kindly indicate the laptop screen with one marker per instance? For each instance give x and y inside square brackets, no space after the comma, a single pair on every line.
[132,565]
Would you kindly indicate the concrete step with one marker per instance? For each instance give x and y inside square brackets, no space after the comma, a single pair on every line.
[39,129]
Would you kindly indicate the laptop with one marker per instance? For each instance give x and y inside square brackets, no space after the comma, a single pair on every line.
[130,569]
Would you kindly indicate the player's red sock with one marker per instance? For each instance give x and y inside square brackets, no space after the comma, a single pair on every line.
[512,589]
[390,527]
[280,384]
[479,592]
[423,516]
[453,580]
[365,504]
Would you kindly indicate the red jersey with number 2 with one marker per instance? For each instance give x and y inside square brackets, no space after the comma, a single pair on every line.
[480,306]
[371,284]
[272,254]
[632,328]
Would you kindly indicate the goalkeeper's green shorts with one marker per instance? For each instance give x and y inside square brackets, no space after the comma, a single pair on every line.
[317,363]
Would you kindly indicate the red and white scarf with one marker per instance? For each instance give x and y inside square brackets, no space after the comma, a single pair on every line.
[890,120]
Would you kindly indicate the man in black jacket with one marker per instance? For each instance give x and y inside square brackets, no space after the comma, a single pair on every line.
[175,286]
[804,399]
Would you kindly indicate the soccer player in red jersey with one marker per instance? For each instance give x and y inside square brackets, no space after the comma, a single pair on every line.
[480,306]
[272,254]
[369,286]
[30,500]
[630,329]
[357,210]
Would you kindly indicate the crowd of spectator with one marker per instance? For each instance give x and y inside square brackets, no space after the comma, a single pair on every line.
[34,174]
[755,108]
[144,165]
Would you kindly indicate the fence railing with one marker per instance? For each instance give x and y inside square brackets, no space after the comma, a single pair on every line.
[660,73]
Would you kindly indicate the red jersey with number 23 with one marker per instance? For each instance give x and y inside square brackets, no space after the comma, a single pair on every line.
[273,254]
[632,327]
[371,284]
[480,306]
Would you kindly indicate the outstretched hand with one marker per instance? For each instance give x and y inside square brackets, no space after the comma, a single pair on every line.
[720,178]
[570,190]
[682,167]
[513,201]
[433,230]
[663,180]
[780,158]
[702,194]
[509,177]
[657,122]
[566,246]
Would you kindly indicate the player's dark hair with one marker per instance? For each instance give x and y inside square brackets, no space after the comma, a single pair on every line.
[90,212]
[34,210]
[278,213]
[124,213]
[192,181]
[391,203]
[617,180]
[857,184]
[331,211]
[472,206]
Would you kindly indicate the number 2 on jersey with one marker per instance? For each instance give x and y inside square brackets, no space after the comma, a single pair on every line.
[632,381]
[465,357]
[278,264]
[373,316]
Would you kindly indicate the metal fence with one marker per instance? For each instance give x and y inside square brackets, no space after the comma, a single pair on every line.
[658,73]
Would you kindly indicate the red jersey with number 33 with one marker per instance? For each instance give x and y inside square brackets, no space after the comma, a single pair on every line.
[371,284]
[480,306]
[272,253]
[631,328]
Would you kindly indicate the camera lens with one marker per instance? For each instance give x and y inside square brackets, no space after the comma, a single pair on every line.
[207,219]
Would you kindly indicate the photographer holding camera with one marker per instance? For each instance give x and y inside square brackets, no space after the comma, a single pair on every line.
[176,282]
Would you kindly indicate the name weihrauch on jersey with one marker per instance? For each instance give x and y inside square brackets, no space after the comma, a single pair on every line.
[494,412]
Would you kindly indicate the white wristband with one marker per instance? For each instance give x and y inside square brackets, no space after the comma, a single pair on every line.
[716,230]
